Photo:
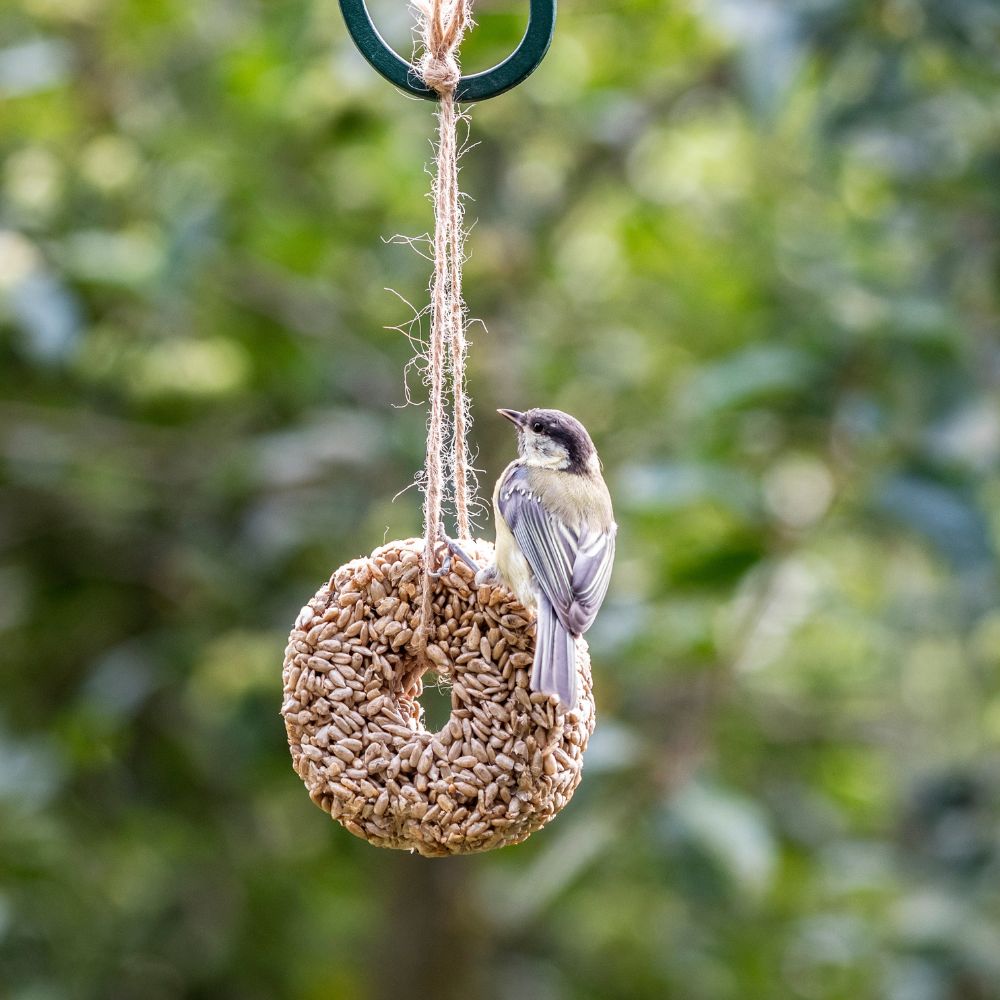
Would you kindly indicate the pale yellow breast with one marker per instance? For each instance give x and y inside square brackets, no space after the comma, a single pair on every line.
[513,567]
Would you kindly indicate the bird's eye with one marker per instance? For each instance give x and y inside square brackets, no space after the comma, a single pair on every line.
[537,427]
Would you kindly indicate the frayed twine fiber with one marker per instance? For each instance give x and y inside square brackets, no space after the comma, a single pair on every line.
[441,25]
[506,761]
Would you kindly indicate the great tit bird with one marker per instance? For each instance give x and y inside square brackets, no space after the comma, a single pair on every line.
[555,539]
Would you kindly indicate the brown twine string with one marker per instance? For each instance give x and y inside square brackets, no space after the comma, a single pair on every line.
[442,24]
[459,347]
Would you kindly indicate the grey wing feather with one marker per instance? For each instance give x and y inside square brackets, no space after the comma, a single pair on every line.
[572,566]
[554,668]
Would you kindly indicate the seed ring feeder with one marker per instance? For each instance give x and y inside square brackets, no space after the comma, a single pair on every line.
[518,66]
[507,760]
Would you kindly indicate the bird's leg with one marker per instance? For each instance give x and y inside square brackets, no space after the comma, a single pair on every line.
[457,550]
[484,574]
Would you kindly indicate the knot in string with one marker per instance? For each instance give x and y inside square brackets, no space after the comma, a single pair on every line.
[440,72]
[442,23]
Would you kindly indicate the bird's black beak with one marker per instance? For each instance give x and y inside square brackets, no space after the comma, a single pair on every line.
[514,416]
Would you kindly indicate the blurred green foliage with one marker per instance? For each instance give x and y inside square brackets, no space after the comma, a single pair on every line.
[753,245]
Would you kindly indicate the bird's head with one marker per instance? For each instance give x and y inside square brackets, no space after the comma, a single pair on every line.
[551,439]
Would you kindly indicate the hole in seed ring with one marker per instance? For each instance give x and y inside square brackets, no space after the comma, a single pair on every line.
[503,765]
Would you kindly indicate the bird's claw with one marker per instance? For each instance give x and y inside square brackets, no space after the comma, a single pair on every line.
[486,576]
[445,567]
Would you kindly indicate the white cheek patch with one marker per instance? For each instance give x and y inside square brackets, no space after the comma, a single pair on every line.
[543,451]
[558,453]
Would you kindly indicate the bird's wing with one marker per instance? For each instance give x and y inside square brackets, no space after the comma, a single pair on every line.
[571,565]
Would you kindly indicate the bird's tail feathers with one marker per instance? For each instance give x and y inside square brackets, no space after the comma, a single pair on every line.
[554,669]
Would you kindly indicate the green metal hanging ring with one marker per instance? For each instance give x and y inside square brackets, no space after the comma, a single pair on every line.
[519,65]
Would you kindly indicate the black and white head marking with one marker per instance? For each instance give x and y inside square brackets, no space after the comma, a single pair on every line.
[552,439]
